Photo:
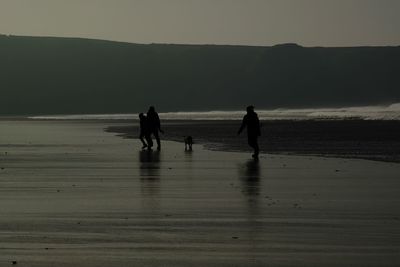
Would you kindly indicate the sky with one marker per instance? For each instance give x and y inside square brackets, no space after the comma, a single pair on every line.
[235,22]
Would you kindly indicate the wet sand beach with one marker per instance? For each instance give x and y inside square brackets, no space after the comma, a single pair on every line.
[350,138]
[72,194]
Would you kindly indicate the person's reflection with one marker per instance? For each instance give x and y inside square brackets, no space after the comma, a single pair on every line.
[250,178]
[188,163]
[150,178]
[188,156]
[249,175]
[149,164]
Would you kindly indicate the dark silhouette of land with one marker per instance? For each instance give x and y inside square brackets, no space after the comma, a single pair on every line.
[42,75]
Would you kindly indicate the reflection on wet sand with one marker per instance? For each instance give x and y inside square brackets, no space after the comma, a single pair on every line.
[149,171]
[188,156]
[250,178]
[249,175]
[149,164]
[188,152]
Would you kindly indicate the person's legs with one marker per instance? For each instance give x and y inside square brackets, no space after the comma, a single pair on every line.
[149,141]
[157,137]
[141,137]
[256,147]
[253,142]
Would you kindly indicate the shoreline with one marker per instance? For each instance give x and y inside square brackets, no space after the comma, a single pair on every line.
[347,139]
[368,140]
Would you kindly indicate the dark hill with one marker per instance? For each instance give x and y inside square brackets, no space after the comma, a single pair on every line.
[41,75]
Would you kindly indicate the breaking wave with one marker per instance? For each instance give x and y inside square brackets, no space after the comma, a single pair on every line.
[391,112]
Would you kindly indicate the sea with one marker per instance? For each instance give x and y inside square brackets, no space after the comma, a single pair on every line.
[384,112]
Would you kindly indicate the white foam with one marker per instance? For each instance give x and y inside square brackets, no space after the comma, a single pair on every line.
[391,112]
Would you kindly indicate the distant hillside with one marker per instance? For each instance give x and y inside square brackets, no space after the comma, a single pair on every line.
[40,75]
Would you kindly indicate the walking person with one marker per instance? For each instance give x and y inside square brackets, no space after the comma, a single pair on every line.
[251,121]
[154,125]
[144,132]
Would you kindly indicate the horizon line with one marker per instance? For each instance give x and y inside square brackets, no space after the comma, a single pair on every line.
[187,44]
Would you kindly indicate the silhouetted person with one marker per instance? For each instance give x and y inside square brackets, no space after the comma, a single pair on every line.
[145,132]
[154,125]
[188,143]
[251,121]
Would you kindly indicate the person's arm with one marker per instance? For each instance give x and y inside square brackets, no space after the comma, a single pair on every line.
[159,124]
[242,126]
[258,127]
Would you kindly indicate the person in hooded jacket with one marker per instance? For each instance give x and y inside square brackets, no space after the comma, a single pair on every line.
[252,123]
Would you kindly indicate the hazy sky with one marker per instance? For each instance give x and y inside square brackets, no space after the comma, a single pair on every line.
[250,22]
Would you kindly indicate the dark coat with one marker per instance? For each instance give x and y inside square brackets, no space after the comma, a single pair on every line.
[153,121]
[252,123]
